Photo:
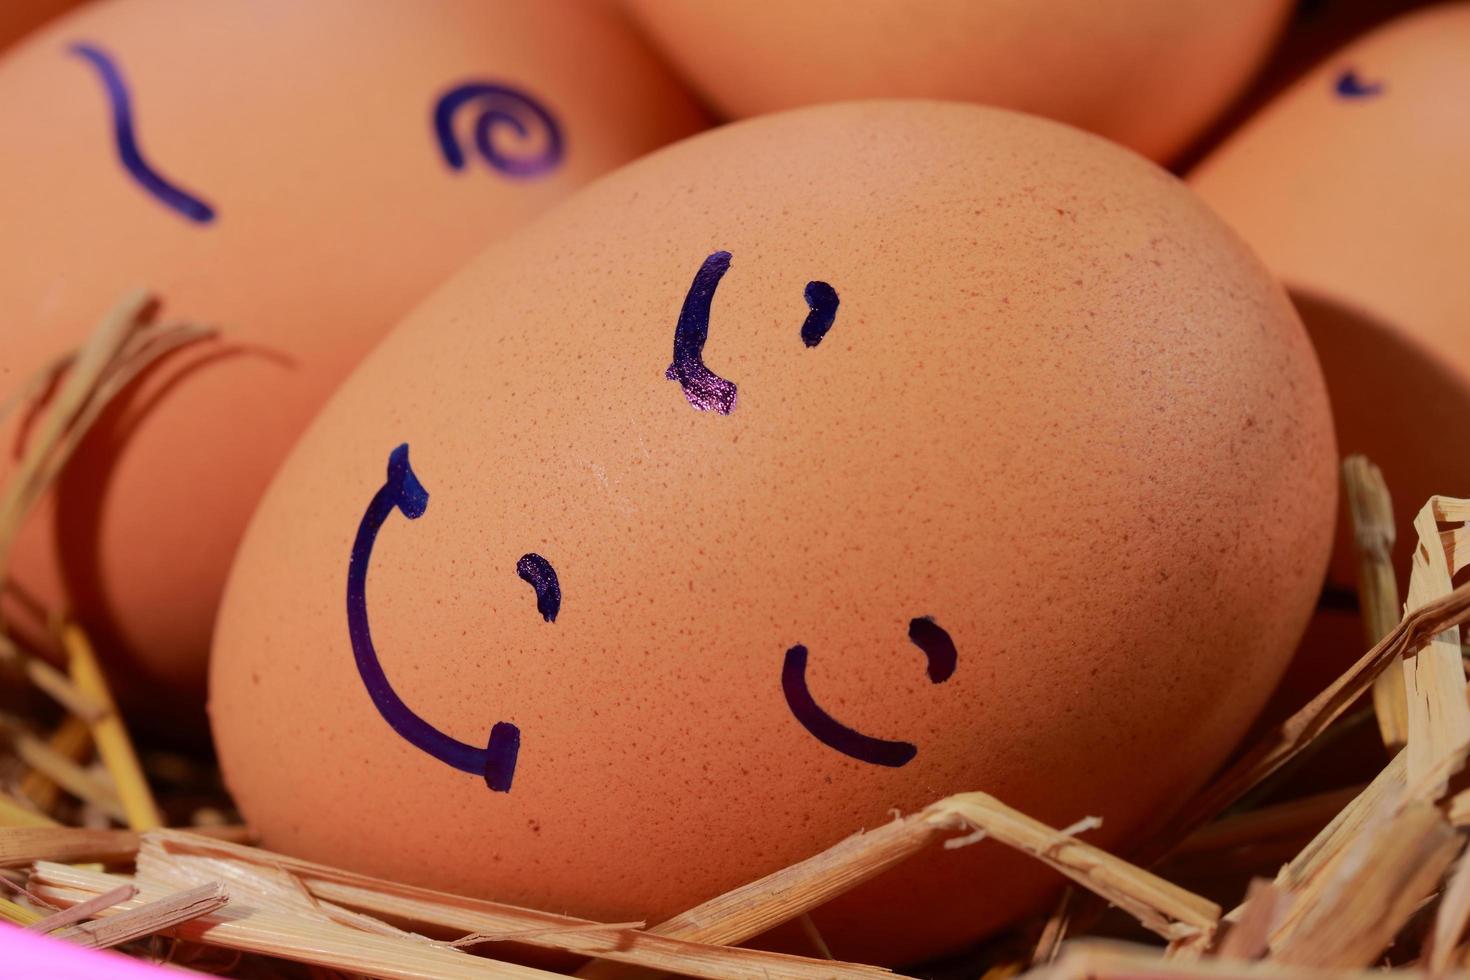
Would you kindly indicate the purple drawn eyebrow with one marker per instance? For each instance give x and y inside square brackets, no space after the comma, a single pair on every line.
[129,153]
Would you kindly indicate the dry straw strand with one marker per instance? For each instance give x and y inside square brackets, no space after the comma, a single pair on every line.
[79,782]
[1375,887]
[1449,920]
[113,744]
[21,846]
[476,917]
[1434,677]
[84,910]
[1249,936]
[1371,511]
[14,813]
[73,739]
[146,919]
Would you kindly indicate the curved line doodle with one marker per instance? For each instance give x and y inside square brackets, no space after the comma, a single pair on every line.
[1350,86]
[704,389]
[496,762]
[167,192]
[538,572]
[938,649]
[502,106]
[822,299]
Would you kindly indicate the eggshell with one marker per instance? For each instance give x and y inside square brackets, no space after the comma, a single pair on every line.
[19,17]
[1060,411]
[291,188]
[1151,75]
[1352,187]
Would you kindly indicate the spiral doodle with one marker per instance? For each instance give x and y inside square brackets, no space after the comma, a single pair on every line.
[501,107]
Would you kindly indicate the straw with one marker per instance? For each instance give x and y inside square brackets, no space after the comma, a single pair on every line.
[72,739]
[1371,510]
[111,737]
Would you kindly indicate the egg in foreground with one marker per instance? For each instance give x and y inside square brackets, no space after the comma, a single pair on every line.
[816,467]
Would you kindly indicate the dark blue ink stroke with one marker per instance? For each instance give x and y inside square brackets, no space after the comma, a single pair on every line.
[928,636]
[501,106]
[1350,86]
[704,389]
[128,152]
[538,571]
[822,299]
[497,760]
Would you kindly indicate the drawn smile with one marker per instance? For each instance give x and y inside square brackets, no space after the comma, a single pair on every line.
[938,648]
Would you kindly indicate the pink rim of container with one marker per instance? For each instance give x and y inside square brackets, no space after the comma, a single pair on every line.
[27,954]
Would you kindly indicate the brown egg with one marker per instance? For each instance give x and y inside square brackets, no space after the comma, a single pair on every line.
[1150,76]
[813,468]
[1352,186]
[298,174]
[19,17]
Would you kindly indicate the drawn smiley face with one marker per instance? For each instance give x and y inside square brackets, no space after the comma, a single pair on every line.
[705,391]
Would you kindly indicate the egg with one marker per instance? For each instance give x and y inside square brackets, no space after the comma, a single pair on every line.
[19,17]
[297,175]
[1150,75]
[1351,186]
[812,468]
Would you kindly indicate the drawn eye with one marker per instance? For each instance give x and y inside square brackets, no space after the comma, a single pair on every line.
[538,571]
[501,107]
[939,651]
[704,389]
[129,153]
[1350,86]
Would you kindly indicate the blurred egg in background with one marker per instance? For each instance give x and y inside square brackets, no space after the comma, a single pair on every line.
[813,468]
[296,174]
[1150,74]
[1354,186]
[19,17]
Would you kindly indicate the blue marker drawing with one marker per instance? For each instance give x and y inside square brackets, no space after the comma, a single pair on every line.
[822,299]
[500,105]
[128,152]
[496,762]
[704,389]
[542,577]
[938,650]
[1350,86]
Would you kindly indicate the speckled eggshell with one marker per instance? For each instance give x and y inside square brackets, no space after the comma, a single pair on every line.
[307,132]
[1150,74]
[1352,187]
[1061,411]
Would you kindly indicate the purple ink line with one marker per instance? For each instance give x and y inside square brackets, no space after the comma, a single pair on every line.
[536,570]
[930,637]
[830,731]
[1350,86]
[501,105]
[704,389]
[822,299]
[496,762]
[128,152]
[939,650]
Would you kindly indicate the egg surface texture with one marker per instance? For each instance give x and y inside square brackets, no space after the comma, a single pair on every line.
[1354,187]
[1150,74]
[819,466]
[297,175]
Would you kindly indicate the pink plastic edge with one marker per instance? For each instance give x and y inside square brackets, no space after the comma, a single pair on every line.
[27,954]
